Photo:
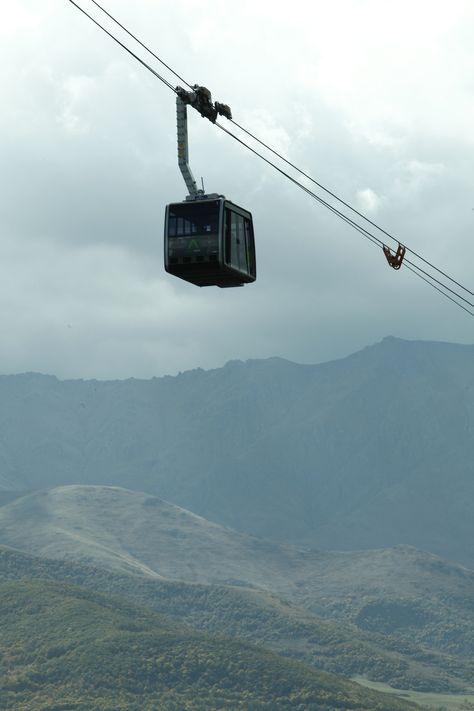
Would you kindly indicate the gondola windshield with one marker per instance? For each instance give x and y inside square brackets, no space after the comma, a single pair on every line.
[193,230]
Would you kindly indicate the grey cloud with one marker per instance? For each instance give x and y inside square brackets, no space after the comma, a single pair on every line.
[88,152]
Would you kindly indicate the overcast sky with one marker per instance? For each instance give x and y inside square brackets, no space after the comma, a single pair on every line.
[374,99]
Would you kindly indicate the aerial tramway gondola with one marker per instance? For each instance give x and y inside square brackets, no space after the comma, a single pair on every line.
[209,241]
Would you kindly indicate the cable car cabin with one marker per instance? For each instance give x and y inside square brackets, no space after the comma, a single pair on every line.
[210,242]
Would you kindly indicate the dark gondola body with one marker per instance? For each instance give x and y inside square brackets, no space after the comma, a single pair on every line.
[210,242]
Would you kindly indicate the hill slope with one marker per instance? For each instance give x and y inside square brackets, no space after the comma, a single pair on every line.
[409,610]
[258,618]
[65,647]
[129,531]
[372,450]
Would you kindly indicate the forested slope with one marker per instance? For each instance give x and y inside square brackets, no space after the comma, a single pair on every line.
[64,647]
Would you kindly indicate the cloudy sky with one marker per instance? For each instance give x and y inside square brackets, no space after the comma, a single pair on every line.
[374,99]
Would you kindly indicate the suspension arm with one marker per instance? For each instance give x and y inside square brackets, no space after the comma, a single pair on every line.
[183,157]
[200,99]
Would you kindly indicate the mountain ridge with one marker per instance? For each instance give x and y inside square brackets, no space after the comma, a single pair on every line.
[374,449]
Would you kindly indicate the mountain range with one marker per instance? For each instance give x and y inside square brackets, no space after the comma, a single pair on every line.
[313,512]
[370,451]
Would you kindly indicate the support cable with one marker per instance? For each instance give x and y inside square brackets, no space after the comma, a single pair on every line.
[288,162]
[140,43]
[147,66]
[350,207]
[362,230]
[471,313]
[411,266]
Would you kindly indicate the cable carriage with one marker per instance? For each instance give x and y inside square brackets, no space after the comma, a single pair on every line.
[209,241]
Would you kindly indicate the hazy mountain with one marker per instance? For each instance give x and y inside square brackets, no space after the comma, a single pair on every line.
[65,647]
[407,615]
[373,450]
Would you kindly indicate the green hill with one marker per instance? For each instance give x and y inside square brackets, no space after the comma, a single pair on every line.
[64,647]
[398,615]
[335,646]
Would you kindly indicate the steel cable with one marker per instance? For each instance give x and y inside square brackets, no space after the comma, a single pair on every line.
[410,265]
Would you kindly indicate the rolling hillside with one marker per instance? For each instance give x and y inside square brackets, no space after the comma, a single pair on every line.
[399,615]
[64,647]
[255,617]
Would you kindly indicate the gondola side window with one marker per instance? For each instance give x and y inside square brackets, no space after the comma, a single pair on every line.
[236,246]
[250,248]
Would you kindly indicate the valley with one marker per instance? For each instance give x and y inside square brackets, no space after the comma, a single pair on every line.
[446,702]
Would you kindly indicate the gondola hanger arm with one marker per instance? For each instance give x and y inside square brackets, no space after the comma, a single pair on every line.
[200,99]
